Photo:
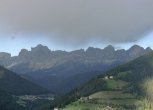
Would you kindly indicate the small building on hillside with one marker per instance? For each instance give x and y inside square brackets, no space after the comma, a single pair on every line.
[111,77]
[56,109]
[84,98]
[106,77]
[90,98]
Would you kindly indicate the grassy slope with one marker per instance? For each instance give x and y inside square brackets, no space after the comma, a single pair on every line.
[12,86]
[134,71]
[113,95]
[8,102]
[127,80]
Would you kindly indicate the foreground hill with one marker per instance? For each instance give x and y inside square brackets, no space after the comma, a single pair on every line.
[14,84]
[120,88]
[62,71]
[13,87]
[8,102]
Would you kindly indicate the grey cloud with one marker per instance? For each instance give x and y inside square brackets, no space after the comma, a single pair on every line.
[79,21]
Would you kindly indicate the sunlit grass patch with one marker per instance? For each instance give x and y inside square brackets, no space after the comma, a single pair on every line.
[147,103]
[116,84]
[112,95]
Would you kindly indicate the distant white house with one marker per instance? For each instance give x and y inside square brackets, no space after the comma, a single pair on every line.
[90,98]
[111,77]
[108,108]
[56,109]
[106,77]
[84,98]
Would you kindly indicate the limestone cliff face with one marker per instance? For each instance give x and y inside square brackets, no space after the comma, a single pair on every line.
[56,69]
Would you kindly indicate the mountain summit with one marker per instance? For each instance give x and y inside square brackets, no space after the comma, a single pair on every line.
[63,71]
[109,48]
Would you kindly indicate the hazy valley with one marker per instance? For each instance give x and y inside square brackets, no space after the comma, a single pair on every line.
[63,71]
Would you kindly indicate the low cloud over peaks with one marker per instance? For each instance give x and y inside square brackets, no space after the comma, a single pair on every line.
[79,21]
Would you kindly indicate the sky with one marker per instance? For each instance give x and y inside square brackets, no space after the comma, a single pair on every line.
[75,24]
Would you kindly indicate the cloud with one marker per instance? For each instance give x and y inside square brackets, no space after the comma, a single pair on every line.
[78,21]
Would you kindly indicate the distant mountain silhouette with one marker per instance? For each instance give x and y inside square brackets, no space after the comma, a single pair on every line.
[62,71]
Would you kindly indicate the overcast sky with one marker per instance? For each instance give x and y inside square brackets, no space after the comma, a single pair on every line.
[72,24]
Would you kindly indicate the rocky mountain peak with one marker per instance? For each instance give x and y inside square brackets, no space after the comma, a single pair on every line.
[39,48]
[90,48]
[109,48]
[136,48]
[23,52]
[6,55]
[148,49]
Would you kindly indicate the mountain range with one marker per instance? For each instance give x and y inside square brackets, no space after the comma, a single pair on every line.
[61,71]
